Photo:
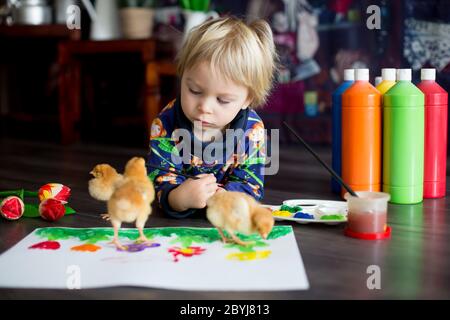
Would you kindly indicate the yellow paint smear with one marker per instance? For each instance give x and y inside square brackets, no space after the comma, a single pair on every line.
[86,248]
[279,213]
[248,256]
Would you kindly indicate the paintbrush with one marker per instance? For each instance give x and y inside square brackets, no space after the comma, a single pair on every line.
[331,171]
[171,170]
[174,171]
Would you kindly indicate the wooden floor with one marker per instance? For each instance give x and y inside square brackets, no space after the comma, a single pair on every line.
[414,263]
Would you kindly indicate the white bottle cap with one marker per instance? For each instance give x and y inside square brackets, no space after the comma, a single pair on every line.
[404,75]
[388,74]
[362,74]
[378,80]
[349,75]
[428,74]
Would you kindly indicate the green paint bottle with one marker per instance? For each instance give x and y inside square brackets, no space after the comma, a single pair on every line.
[403,141]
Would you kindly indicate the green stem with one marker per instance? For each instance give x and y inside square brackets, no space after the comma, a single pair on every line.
[30,193]
[21,193]
[5,194]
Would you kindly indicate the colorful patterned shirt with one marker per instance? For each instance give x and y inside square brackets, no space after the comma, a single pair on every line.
[237,161]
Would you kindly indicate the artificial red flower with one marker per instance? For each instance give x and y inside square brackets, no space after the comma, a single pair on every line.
[54,191]
[12,208]
[52,209]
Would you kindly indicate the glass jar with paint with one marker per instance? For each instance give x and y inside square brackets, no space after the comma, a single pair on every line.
[367,215]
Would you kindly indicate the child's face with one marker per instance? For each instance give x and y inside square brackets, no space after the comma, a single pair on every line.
[211,99]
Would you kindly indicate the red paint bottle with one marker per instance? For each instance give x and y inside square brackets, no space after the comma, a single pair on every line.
[436,109]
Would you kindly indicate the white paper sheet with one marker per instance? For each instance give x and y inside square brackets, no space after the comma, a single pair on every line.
[273,264]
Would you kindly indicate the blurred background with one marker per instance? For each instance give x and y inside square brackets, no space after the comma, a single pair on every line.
[98,71]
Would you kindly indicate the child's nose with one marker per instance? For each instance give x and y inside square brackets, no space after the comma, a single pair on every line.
[204,107]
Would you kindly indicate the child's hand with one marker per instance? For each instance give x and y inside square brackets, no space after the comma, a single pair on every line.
[220,189]
[193,193]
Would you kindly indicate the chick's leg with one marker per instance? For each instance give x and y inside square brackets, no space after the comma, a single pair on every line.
[140,223]
[224,239]
[105,216]
[116,225]
[239,241]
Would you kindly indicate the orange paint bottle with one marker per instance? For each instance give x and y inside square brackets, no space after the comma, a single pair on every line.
[361,134]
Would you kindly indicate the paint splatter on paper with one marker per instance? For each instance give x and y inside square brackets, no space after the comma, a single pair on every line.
[138,247]
[185,252]
[248,256]
[87,247]
[46,245]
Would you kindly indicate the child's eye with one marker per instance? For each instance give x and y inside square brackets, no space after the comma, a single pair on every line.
[222,101]
[194,92]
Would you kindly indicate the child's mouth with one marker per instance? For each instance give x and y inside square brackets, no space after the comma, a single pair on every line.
[204,123]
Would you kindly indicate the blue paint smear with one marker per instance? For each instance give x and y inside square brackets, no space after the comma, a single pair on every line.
[301,215]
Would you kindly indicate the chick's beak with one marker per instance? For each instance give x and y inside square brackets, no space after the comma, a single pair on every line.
[264,236]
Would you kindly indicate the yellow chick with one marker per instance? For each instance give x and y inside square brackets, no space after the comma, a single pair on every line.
[104,183]
[131,197]
[238,212]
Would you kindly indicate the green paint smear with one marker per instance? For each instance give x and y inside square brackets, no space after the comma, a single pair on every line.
[333,217]
[248,248]
[293,209]
[185,236]
[187,241]
[88,235]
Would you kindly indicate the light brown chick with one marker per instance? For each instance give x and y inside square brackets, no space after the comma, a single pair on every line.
[105,181]
[263,220]
[238,212]
[131,201]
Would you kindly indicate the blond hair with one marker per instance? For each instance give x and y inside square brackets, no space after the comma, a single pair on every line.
[243,53]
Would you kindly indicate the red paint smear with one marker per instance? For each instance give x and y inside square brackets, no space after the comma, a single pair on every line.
[46,245]
[176,251]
